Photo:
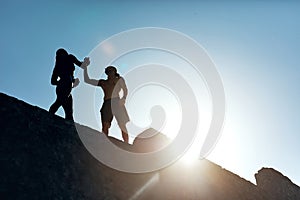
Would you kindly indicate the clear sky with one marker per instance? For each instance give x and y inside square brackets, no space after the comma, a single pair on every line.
[255,46]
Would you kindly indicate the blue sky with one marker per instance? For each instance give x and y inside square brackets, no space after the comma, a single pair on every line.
[255,46]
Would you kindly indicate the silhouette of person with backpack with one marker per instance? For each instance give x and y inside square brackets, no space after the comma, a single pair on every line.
[113,105]
[63,78]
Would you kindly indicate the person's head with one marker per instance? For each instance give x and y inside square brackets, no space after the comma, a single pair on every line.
[111,72]
[60,53]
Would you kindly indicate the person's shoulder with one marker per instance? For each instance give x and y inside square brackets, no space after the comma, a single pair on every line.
[101,82]
[120,78]
[72,58]
[120,81]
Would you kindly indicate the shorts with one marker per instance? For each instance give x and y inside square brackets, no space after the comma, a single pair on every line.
[111,108]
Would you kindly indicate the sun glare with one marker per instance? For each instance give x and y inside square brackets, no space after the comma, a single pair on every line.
[191,155]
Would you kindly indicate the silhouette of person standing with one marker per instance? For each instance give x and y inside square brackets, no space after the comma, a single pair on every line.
[113,105]
[63,78]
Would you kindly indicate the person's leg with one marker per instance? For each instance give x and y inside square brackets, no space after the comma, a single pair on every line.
[58,102]
[124,132]
[105,128]
[68,107]
[54,107]
[120,112]
[106,116]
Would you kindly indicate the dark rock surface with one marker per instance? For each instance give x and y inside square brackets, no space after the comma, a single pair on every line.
[276,185]
[42,157]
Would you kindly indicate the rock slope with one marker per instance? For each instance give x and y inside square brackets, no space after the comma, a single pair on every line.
[42,157]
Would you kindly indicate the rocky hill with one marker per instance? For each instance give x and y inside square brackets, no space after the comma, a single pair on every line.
[275,185]
[42,157]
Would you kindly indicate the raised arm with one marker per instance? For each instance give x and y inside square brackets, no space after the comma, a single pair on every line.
[87,79]
[76,61]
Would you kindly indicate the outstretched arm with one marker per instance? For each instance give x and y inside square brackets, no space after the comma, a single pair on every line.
[75,60]
[80,64]
[87,78]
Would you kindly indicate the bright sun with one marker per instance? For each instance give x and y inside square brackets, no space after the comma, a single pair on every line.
[190,156]
[218,153]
